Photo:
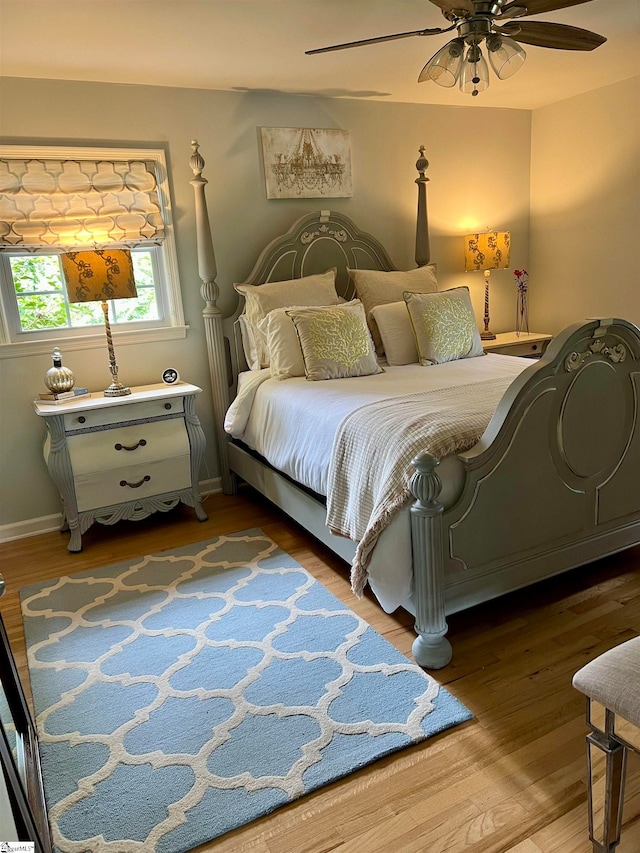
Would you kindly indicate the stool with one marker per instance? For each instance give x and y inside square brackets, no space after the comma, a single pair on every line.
[613,681]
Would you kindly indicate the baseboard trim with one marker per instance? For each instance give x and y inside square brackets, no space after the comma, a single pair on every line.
[48,523]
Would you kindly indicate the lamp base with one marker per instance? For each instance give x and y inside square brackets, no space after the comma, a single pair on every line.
[116,390]
[487,335]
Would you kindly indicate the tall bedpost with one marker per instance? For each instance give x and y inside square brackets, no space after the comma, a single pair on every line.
[212,316]
[423,250]
[431,648]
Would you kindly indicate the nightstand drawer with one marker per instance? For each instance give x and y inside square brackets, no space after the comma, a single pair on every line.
[118,414]
[107,488]
[523,349]
[127,445]
[523,344]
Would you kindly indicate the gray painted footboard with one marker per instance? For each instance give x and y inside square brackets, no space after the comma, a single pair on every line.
[554,482]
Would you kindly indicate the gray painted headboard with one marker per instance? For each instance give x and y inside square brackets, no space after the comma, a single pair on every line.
[314,243]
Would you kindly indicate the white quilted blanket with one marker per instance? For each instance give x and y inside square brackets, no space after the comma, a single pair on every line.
[370,469]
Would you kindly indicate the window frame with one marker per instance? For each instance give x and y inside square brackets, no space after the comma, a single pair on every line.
[15,343]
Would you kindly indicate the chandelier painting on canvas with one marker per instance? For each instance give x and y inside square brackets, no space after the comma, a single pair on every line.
[303,162]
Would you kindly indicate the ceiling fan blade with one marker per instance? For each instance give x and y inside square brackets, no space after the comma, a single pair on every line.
[378,39]
[451,6]
[556,36]
[538,7]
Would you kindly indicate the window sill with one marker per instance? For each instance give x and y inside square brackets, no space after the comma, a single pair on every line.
[43,346]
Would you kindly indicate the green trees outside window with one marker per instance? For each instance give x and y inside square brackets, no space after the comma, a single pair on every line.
[42,299]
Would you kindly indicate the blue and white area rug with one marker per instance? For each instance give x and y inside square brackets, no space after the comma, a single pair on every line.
[183,694]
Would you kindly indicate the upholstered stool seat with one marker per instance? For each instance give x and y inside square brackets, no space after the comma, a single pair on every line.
[613,681]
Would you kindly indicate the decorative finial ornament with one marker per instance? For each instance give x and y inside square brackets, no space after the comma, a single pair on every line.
[422,164]
[196,161]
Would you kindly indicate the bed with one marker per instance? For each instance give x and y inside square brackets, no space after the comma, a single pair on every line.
[548,482]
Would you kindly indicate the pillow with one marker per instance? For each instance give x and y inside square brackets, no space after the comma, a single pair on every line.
[444,325]
[285,355]
[335,341]
[394,325]
[260,299]
[248,343]
[375,287]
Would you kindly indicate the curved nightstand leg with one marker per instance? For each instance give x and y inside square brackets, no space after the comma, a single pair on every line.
[201,515]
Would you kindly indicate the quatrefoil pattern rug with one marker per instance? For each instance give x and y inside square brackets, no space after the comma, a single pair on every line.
[186,693]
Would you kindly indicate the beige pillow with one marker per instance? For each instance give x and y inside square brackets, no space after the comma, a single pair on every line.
[395,329]
[335,341]
[285,355]
[375,287]
[260,299]
[444,325]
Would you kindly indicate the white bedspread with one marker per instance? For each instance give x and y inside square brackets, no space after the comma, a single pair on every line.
[293,423]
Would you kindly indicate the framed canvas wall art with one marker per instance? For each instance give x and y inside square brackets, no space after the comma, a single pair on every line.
[304,162]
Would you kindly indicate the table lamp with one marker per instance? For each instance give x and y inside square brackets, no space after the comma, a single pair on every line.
[488,251]
[96,276]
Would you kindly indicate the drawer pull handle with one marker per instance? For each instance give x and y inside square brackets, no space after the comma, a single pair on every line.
[81,419]
[137,485]
[141,443]
[167,405]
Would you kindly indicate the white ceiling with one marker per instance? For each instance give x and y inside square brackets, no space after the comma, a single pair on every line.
[258,45]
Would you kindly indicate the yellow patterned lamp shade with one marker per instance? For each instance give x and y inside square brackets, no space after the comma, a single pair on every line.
[97,277]
[488,251]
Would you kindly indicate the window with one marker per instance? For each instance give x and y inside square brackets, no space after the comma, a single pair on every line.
[54,199]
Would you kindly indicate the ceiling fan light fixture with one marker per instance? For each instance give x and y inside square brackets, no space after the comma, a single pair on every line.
[444,66]
[474,76]
[506,56]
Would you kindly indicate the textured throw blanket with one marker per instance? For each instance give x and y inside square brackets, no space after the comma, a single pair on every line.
[370,468]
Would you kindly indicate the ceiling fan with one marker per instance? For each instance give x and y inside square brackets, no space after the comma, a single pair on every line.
[496,22]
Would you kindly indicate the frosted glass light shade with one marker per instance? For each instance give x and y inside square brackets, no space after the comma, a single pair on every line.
[444,66]
[474,76]
[505,56]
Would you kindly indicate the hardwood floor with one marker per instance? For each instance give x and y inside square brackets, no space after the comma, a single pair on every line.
[512,780]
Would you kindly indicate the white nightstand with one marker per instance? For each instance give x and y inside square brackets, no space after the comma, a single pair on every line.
[527,344]
[124,457]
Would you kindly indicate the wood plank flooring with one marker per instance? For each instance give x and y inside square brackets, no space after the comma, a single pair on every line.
[512,780]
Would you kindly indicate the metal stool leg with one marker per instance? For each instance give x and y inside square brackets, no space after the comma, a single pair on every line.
[606,838]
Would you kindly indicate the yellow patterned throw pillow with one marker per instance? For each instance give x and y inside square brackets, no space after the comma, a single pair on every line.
[444,325]
[335,341]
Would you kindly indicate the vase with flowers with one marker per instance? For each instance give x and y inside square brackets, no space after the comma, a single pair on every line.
[522,304]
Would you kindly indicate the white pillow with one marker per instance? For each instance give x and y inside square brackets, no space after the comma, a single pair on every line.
[260,299]
[285,355]
[375,287]
[248,343]
[398,340]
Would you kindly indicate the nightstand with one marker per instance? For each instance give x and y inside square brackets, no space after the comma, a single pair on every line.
[124,457]
[527,344]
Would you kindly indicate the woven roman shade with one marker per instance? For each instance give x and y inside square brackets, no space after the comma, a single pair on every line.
[62,205]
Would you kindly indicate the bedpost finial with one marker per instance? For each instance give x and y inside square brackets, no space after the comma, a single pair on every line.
[196,161]
[422,164]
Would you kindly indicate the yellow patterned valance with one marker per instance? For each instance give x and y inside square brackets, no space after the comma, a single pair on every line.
[61,204]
